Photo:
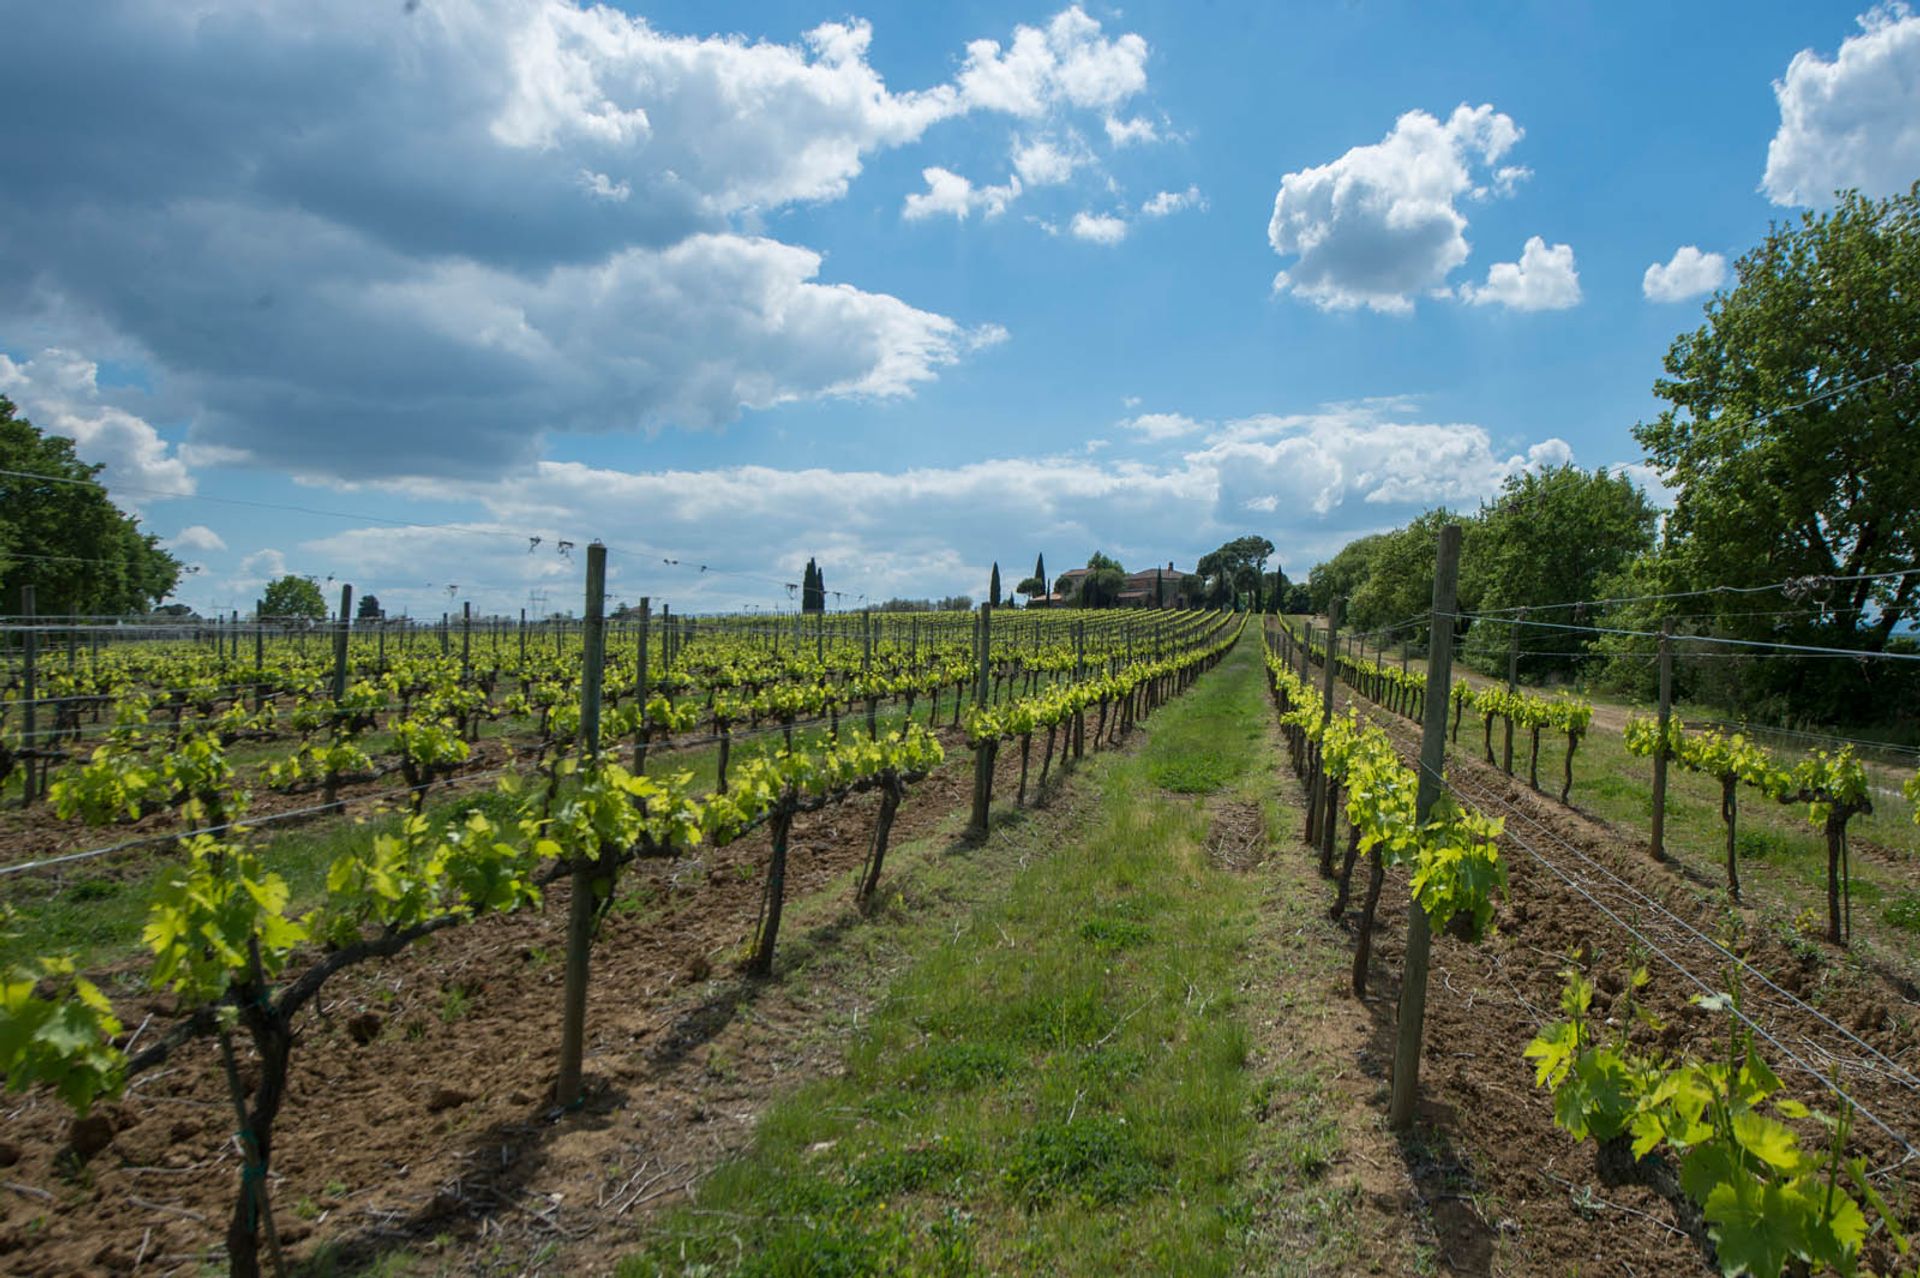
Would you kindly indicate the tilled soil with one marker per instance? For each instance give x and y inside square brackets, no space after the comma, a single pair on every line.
[1507,1190]
[438,1131]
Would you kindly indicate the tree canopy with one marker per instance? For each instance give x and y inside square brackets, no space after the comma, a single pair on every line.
[1102,585]
[813,589]
[294,597]
[63,535]
[1789,442]
[1233,569]
[1551,537]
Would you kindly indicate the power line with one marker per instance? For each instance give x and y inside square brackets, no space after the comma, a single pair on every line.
[1695,594]
[1808,649]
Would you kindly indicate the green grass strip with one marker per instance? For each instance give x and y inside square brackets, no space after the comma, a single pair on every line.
[1061,1084]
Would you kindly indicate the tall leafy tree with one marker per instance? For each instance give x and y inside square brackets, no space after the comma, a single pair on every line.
[369,608]
[1341,576]
[1233,569]
[1789,440]
[813,589]
[1550,537]
[294,597]
[1102,585]
[1397,586]
[65,538]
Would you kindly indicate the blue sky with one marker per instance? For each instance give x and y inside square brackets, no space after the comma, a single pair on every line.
[909,288]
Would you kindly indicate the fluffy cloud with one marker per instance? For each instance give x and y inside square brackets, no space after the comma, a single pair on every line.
[1319,462]
[1046,162]
[60,393]
[1851,122]
[1161,425]
[951,195]
[1544,279]
[1137,131]
[1690,273]
[1167,202]
[1098,228]
[1311,481]
[196,537]
[1068,62]
[373,215]
[255,571]
[1380,224]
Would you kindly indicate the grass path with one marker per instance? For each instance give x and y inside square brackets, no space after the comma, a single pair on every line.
[1120,1060]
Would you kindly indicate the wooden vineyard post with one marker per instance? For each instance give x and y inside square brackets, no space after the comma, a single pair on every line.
[1513,681]
[1660,749]
[1322,795]
[466,641]
[1079,727]
[28,693]
[1433,759]
[984,752]
[340,645]
[573,1028]
[643,688]
[259,653]
[523,636]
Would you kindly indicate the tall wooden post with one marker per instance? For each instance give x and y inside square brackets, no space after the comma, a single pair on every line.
[340,645]
[1513,681]
[573,1028]
[466,640]
[983,753]
[1433,761]
[1660,750]
[644,685]
[259,654]
[29,692]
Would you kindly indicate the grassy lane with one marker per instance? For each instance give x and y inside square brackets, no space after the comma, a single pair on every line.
[1069,1079]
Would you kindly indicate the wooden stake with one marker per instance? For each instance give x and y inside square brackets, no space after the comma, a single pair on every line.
[1433,759]
[573,1029]
[1660,750]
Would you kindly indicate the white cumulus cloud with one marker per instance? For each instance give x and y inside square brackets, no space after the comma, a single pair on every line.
[1158,426]
[1098,228]
[1690,273]
[1544,279]
[1134,132]
[1380,225]
[1068,62]
[1046,162]
[367,210]
[1854,121]
[196,537]
[949,194]
[59,392]
[1166,202]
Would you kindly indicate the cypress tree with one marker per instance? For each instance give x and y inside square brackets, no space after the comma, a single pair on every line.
[1040,574]
[993,587]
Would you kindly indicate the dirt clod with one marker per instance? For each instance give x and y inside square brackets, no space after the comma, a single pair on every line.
[364,1028]
[88,1136]
[445,1098]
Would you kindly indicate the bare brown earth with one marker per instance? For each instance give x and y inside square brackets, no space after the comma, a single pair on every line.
[1509,1193]
[438,1133]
